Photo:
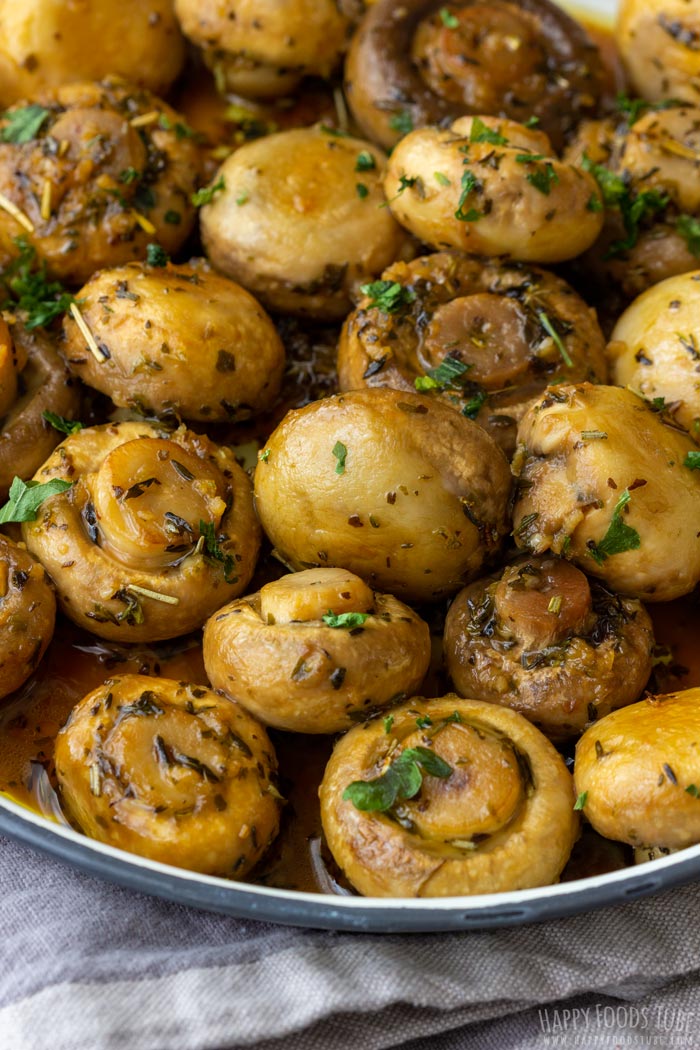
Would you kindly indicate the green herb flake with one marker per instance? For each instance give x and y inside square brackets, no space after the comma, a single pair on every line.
[26,497]
[692,460]
[469,184]
[424,721]
[388,296]
[129,175]
[347,621]
[689,229]
[474,405]
[631,108]
[207,193]
[401,122]
[531,122]
[242,198]
[264,456]
[60,423]
[28,290]
[24,124]
[156,256]
[634,208]
[441,178]
[365,161]
[403,779]
[444,377]
[388,723]
[543,179]
[480,132]
[619,538]
[340,452]
[581,800]
[551,331]
[361,190]
[448,19]
[213,551]
[693,790]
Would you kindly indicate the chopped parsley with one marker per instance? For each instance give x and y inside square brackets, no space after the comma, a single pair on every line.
[480,132]
[30,292]
[543,178]
[444,377]
[619,538]
[388,296]
[129,175]
[441,178]
[156,256]
[448,19]
[689,228]
[469,184]
[24,124]
[361,190]
[340,452]
[388,723]
[581,800]
[365,161]
[207,193]
[63,425]
[403,779]
[692,460]
[213,551]
[634,208]
[26,497]
[401,122]
[474,405]
[692,790]
[348,620]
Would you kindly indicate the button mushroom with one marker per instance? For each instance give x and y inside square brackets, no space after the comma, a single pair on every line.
[603,480]
[422,62]
[540,640]
[484,337]
[659,41]
[492,187]
[299,220]
[169,771]
[316,650]
[176,340]
[403,491]
[448,797]
[156,530]
[27,615]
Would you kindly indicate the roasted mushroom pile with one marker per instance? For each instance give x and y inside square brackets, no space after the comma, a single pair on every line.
[349,394]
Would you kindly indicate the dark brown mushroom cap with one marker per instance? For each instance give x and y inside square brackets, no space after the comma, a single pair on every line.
[540,640]
[501,819]
[170,771]
[487,319]
[542,64]
[27,615]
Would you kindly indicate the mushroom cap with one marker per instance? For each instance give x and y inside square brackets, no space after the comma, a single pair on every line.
[27,615]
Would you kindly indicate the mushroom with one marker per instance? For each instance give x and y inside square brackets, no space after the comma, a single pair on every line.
[316,650]
[448,797]
[659,41]
[426,63]
[33,380]
[299,220]
[604,481]
[485,337]
[27,615]
[156,531]
[261,48]
[492,187]
[637,773]
[540,639]
[176,340]
[91,173]
[45,43]
[401,490]
[655,349]
[646,162]
[170,771]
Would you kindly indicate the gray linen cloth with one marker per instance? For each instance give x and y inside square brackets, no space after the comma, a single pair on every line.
[89,966]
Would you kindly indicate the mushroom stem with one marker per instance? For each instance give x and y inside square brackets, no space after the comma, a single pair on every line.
[543,604]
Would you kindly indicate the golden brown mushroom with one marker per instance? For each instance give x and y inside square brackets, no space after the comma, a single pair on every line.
[27,615]
[155,533]
[300,222]
[91,173]
[45,43]
[659,41]
[484,337]
[403,491]
[604,481]
[427,63]
[33,380]
[538,638]
[316,650]
[261,48]
[176,340]
[170,771]
[492,187]
[448,797]
[637,772]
